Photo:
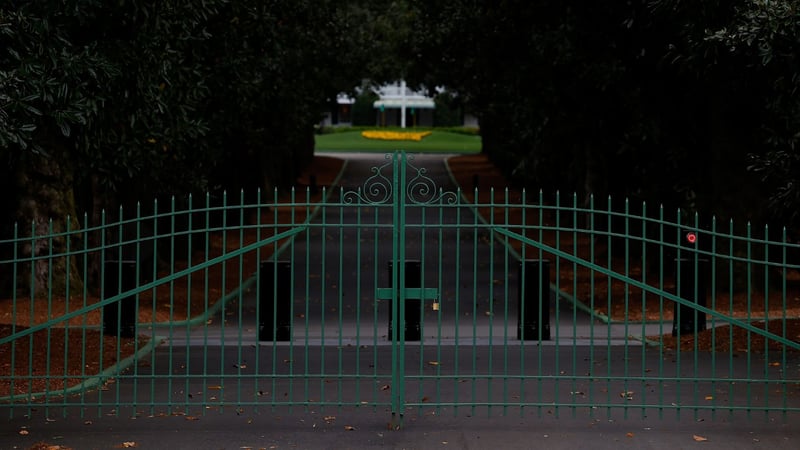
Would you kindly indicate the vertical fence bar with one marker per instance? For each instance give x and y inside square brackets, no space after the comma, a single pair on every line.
[339,289]
[439,305]
[643,374]
[784,278]
[713,265]
[749,281]
[626,296]
[293,223]
[557,269]
[135,377]
[699,298]
[323,297]
[223,291]
[307,301]
[206,284]
[418,305]
[457,312]
[358,304]
[609,293]
[766,263]
[14,274]
[490,298]
[677,315]
[257,357]
[50,257]
[592,258]
[375,259]
[67,263]
[730,302]
[240,298]
[172,292]
[661,259]
[576,254]
[506,265]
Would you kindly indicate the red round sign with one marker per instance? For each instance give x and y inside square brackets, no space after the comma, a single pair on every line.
[691,238]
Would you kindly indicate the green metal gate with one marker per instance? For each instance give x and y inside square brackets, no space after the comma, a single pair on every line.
[398,294]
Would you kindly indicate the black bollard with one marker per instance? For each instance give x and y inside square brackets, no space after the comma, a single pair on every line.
[120,317]
[274,301]
[533,314]
[692,287]
[413,277]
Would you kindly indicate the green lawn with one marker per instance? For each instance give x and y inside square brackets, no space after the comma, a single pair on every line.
[436,142]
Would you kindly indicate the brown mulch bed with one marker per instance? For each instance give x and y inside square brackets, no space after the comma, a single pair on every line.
[73,355]
[727,339]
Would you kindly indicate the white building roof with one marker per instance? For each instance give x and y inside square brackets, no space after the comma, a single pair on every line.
[398,95]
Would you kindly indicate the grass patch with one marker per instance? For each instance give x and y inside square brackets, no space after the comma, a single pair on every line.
[437,142]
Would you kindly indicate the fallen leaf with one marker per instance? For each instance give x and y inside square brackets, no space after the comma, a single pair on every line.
[192,418]
[630,435]
[425,399]
[385,387]
[709,397]
[23,432]
[433,363]
[214,388]
[129,444]
[699,438]
[349,428]
[329,419]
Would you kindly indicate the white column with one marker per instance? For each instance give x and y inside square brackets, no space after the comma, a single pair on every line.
[402,104]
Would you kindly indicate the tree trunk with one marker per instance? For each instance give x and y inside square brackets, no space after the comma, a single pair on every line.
[44,211]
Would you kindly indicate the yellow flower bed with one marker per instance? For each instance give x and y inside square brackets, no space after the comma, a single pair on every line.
[395,135]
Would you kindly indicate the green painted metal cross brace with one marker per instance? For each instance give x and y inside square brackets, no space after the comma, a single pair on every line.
[415,293]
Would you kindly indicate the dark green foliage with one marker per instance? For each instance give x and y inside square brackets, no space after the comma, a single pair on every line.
[664,101]
[364,114]
[659,100]
[142,99]
[448,112]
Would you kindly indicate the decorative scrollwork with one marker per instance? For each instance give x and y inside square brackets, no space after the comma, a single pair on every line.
[376,190]
[422,190]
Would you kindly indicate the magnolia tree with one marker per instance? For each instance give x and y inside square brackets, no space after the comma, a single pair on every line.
[108,103]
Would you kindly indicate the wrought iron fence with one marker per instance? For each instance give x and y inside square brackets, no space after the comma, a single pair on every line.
[400,294]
